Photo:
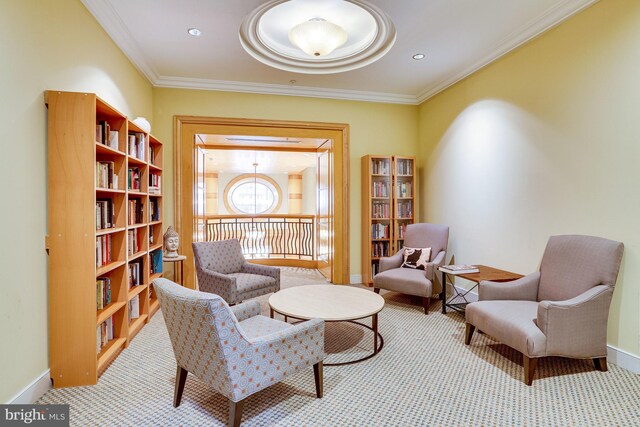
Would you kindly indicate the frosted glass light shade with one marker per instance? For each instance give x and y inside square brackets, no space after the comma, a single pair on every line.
[317,37]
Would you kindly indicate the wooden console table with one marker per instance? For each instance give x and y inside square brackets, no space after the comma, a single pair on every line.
[485,273]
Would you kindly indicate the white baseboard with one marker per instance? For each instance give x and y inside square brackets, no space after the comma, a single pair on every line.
[616,356]
[34,391]
[355,279]
[623,359]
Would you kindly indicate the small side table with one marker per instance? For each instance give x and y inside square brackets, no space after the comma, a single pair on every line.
[485,273]
[179,259]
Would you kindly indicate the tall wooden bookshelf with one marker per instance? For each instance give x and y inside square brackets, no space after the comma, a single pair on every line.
[388,206]
[100,227]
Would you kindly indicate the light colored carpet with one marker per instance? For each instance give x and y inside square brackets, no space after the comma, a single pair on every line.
[424,376]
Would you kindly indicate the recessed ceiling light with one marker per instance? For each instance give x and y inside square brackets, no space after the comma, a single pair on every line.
[194,32]
[419,56]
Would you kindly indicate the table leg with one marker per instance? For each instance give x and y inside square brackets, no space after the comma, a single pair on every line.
[271,312]
[374,325]
[443,294]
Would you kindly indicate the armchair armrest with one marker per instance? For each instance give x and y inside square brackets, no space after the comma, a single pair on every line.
[263,270]
[577,327]
[246,310]
[394,261]
[523,289]
[217,283]
[432,266]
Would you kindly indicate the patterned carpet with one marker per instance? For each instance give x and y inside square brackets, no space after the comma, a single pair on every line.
[424,376]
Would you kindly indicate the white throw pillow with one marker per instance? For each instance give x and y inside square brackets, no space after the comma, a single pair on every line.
[416,258]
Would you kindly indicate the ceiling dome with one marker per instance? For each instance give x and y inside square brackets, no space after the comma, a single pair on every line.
[269,32]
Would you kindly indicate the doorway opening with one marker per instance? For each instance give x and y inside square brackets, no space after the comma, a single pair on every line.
[280,188]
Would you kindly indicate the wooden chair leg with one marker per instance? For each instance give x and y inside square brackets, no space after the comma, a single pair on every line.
[376,290]
[235,413]
[530,364]
[317,374]
[469,329]
[181,378]
[600,363]
[425,303]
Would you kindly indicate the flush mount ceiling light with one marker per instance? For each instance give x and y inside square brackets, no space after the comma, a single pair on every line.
[285,34]
[194,32]
[418,56]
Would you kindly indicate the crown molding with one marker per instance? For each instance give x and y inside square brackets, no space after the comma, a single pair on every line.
[113,24]
[551,18]
[289,90]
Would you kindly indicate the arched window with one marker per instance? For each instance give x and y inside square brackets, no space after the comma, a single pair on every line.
[250,194]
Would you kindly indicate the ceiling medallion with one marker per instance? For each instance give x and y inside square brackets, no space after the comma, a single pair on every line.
[285,34]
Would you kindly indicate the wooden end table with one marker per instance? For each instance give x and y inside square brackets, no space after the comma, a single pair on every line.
[485,273]
[331,303]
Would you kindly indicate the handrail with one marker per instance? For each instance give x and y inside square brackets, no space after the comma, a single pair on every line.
[266,236]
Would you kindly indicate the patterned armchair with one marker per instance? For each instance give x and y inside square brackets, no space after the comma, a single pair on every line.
[235,350]
[562,310]
[222,270]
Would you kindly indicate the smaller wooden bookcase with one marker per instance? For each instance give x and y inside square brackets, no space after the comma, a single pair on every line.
[388,206]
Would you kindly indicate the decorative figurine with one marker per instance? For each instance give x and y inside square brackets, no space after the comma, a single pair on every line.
[171,243]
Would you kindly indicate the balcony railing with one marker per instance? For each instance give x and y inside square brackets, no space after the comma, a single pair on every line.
[265,236]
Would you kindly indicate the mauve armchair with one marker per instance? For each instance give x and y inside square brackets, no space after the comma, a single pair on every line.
[222,270]
[562,310]
[410,281]
[235,350]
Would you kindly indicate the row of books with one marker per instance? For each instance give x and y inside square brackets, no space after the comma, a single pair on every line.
[135,211]
[155,262]
[380,210]
[380,167]
[404,189]
[106,136]
[137,143]
[154,210]
[134,308]
[134,238]
[380,189]
[404,167]
[103,292]
[104,214]
[405,209]
[106,177]
[155,181]
[103,250]
[135,273]
[402,228]
[133,179]
[152,154]
[379,231]
[375,268]
[379,249]
[104,334]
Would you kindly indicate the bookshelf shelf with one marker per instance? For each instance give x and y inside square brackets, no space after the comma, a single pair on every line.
[155,247]
[109,311]
[97,203]
[388,205]
[155,276]
[102,232]
[136,290]
[109,350]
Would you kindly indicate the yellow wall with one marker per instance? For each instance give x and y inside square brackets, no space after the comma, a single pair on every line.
[44,44]
[375,129]
[545,141]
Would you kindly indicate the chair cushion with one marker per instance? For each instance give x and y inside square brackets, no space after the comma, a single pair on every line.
[259,326]
[510,322]
[416,258]
[247,282]
[405,280]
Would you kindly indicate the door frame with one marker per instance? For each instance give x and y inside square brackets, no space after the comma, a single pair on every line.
[187,127]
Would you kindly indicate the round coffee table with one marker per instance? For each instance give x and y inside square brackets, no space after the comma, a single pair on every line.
[331,303]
